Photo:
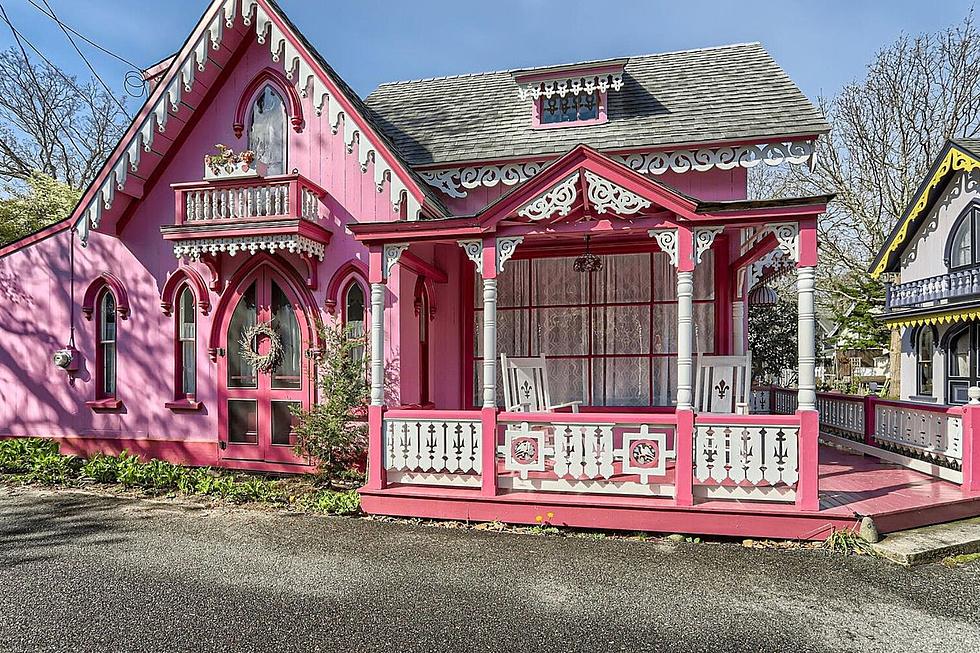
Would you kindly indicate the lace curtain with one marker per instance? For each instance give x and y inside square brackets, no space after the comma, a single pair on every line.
[610,337]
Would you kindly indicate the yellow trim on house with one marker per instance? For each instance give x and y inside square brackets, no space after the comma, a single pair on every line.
[937,318]
[956,159]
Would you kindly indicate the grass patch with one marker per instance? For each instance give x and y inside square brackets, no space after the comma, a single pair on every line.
[960,560]
[39,461]
[847,542]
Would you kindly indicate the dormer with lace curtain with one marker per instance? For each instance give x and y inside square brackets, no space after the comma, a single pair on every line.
[570,96]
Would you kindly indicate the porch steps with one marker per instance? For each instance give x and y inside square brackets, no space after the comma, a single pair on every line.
[931,543]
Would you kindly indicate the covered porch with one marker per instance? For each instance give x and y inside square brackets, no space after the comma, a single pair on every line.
[625,287]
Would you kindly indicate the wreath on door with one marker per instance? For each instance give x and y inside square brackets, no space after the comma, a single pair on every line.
[264,363]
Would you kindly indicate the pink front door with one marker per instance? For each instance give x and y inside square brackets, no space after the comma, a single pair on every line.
[255,405]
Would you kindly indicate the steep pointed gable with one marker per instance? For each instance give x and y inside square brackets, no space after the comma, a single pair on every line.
[182,88]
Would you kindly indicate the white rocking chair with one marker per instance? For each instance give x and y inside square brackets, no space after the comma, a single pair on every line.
[724,384]
[526,386]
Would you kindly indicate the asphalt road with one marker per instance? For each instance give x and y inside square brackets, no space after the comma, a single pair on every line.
[92,573]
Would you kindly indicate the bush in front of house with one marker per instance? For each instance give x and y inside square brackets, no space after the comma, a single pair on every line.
[35,460]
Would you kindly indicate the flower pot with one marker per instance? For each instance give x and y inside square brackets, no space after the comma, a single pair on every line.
[237,170]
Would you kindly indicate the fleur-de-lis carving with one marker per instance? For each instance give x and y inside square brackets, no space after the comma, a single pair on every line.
[722,389]
[526,389]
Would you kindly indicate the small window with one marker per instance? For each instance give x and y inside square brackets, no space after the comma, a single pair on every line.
[106,366]
[186,345]
[354,316]
[267,135]
[925,349]
[573,107]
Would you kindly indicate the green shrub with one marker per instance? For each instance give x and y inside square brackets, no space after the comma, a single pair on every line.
[333,502]
[101,468]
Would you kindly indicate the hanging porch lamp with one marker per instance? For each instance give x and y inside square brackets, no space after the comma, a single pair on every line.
[587,262]
[763,295]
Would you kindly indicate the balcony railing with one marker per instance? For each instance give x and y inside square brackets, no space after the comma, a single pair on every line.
[959,283]
[285,196]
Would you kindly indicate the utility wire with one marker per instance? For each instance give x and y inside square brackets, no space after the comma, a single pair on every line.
[91,68]
[20,39]
[74,31]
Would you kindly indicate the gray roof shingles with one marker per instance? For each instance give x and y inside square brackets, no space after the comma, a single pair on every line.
[708,95]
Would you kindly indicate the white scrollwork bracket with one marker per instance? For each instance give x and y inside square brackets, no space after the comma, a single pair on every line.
[788,236]
[667,239]
[605,196]
[506,247]
[703,239]
[391,254]
[474,252]
[559,199]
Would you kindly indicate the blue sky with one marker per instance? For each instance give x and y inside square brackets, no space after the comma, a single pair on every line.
[822,45]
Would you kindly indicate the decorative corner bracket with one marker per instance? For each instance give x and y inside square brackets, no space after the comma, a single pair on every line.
[391,254]
[667,239]
[703,239]
[474,252]
[505,249]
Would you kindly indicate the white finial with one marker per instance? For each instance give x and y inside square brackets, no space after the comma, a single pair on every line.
[974,394]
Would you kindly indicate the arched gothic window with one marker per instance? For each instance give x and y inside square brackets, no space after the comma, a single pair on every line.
[106,363]
[925,348]
[186,345]
[267,135]
[354,316]
[961,250]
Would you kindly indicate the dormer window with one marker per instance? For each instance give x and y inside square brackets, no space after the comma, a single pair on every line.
[566,96]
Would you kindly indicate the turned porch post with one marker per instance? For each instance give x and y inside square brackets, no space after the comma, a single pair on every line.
[807,384]
[738,327]
[801,242]
[381,260]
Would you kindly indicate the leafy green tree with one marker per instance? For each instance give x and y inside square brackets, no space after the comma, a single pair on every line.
[772,339]
[333,432]
[40,201]
[858,327]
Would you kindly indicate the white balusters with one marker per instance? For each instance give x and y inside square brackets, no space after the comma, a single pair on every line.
[245,202]
[931,434]
[842,416]
[746,456]
[439,446]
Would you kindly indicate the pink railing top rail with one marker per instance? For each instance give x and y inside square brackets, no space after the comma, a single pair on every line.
[762,420]
[430,414]
[589,418]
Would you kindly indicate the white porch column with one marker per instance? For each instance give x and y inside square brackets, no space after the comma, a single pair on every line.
[685,337]
[377,343]
[738,327]
[489,343]
[806,330]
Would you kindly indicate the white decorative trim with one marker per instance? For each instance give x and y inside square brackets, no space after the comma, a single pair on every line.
[667,239]
[454,182]
[390,255]
[474,252]
[506,247]
[604,195]
[193,249]
[788,236]
[558,200]
[561,87]
[196,60]
[703,238]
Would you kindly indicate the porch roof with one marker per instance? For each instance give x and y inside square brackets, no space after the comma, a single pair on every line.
[586,186]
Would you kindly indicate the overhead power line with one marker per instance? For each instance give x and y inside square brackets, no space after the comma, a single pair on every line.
[81,54]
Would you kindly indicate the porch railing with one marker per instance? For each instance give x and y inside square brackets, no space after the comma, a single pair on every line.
[285,196]
[677,457]
[924,437]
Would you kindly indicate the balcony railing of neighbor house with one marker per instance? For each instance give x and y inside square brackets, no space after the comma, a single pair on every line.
[959,283]
[923,437]
[719,457]
[285,196]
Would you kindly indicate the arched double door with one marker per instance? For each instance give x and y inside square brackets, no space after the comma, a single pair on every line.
[256,405]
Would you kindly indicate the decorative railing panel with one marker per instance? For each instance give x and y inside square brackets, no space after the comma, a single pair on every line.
[935,436]
[842,415]
[960,283]
[759,401]
[433,450]
[750,460]
[784,401]
[290,196]
[588,456]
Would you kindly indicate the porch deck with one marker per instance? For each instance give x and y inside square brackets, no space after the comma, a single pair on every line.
[850,485]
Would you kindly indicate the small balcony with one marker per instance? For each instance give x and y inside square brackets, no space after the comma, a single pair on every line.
[933,290]
[247,214]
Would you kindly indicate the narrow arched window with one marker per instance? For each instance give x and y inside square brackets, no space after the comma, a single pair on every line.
[186,346]
[354,317]
[106,363]
[925,350]
[961,249]
[267,130]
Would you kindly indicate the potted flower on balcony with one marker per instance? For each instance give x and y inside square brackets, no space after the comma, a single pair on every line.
[227,164]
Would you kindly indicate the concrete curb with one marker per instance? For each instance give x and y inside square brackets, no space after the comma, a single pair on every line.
[931,543]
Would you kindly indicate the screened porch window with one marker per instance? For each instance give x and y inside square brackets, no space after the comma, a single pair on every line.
[610,337]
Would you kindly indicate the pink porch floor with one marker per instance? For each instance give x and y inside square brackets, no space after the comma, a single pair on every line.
[851,485]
